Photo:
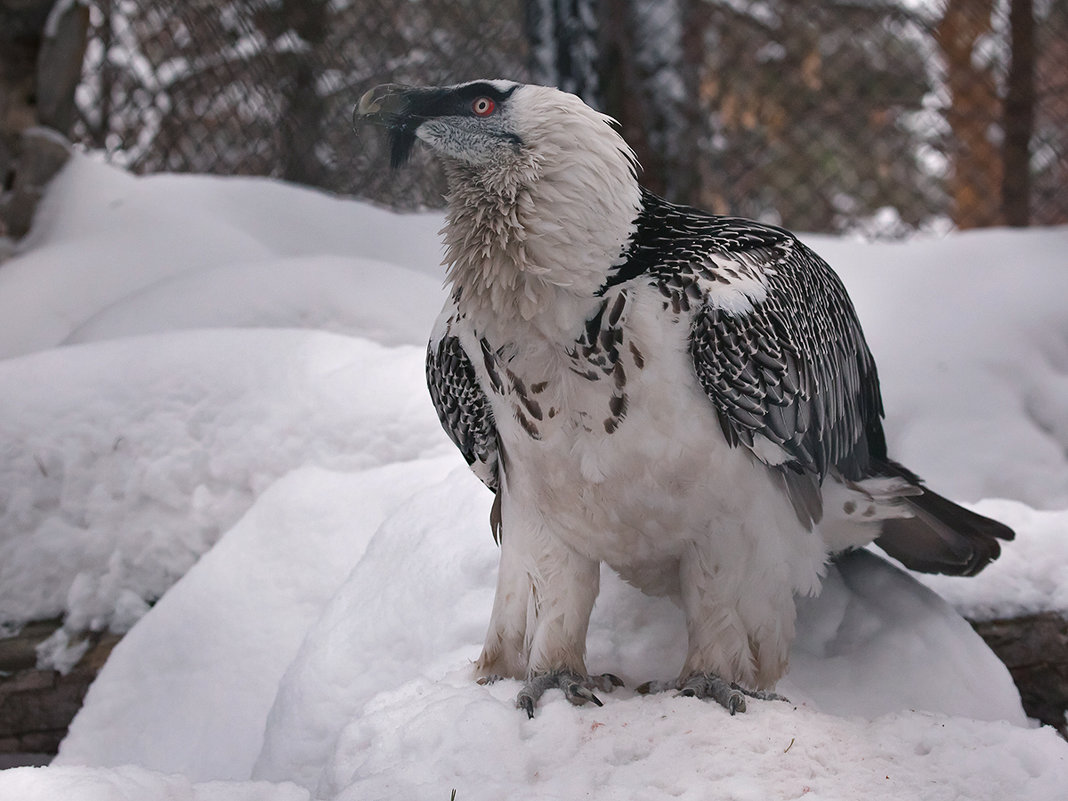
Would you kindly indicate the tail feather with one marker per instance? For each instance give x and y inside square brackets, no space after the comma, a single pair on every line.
[941,536]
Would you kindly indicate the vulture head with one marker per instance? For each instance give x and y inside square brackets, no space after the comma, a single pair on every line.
[474,123]
[543,190]
[497,126]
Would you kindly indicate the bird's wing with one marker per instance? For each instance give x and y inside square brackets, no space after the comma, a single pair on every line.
[462,406]
[775,343]
[793,367]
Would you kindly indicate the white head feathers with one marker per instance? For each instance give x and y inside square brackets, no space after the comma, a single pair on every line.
[549,218]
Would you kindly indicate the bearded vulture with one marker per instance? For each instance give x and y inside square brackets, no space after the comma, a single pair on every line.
[683,396]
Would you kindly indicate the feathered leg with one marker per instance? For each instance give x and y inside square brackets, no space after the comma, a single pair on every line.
[541,613]
[740,624]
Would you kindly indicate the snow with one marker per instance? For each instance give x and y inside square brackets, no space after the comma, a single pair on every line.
[209,389]
[124,460]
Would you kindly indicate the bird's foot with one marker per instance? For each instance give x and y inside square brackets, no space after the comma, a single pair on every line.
[728,695]
[576,689]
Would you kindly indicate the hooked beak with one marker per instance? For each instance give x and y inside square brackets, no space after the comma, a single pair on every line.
[389,105]
[383,104]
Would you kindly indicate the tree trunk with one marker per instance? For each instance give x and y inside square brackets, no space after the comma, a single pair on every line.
[1035,650]
[41,56]
[563,46]
[305,109]
[1019,116]
[21,33]
[975,158]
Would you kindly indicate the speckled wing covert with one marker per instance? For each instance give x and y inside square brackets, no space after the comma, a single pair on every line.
[462,406]
[788,363]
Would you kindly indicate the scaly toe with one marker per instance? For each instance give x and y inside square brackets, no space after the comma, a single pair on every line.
[761,695]
[579,695]
[577,689]
[708,685]
[606,682]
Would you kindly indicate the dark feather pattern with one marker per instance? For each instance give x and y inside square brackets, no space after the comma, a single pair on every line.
[795,369]
[463,408]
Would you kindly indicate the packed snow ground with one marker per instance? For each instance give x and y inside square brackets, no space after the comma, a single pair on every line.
[189,361]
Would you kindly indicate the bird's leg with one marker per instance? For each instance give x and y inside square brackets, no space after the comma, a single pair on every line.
[576,689]
[506,649]
[563,591]
[736,637]
[545,594]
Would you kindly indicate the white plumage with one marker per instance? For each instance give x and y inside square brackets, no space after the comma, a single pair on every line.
[686,398]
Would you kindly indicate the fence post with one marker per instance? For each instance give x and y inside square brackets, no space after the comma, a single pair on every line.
[1019,116]
[43,45]
[59,66]
[302,123]
[563,46]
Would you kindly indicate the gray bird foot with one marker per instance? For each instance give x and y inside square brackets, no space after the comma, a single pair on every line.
[576,689]
[728,695]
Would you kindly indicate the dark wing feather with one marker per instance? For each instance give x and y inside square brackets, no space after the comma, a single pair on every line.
[462,407]
[794,368]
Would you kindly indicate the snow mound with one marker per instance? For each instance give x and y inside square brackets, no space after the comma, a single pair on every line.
[125,460]
[209,657]
[131,782]
[356,297]
[354,679]
[180,250]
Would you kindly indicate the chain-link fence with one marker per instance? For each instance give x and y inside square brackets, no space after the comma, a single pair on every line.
[825,115]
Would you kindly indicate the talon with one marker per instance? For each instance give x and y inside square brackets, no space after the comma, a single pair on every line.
[526,703]
[579,695]
[656,686]
[736,703]
[577,689]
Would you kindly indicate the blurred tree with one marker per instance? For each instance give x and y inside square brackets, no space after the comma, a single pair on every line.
[42,47]
[813,107]
[1049,149]
[649,86]
[305,107]
[22,27]
[1019,115]
[563,36]
[966,38]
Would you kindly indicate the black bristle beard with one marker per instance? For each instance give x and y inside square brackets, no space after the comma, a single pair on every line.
[401,141]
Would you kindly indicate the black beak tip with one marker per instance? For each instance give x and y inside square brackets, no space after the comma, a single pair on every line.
[388,106]
[384,104]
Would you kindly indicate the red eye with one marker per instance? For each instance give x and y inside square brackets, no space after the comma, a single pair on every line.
[483,107]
